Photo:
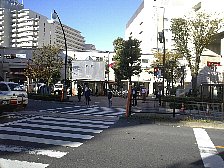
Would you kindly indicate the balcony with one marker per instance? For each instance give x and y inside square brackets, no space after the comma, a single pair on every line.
[22,19]
[14,35]
[14,20]
[21,15]
[14,25]
[14,31]
[14,15]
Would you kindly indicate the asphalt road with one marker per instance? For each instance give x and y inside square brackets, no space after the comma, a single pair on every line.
[72,135]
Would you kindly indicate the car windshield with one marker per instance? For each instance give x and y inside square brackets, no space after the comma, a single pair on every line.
[15,87]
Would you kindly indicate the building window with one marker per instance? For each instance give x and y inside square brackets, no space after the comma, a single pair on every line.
[145,60]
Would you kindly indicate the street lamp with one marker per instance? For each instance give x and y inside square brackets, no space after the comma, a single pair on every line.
[55,16]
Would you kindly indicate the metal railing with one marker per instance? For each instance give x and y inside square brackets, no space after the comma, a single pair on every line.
[202,110]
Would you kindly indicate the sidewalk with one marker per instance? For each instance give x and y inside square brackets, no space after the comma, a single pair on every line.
[117,102]
[149,109]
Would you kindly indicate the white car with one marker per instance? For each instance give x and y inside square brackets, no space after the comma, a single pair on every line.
[7,101]
[14,89]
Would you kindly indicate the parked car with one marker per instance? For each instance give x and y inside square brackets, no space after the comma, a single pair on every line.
[14,89]
[7,102]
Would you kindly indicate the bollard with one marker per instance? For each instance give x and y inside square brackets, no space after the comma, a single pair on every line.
[128,104]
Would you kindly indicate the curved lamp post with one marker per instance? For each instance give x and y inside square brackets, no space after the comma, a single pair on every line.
[55,16]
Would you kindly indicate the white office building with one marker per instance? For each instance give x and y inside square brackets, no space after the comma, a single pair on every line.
[25,28]
[153,17]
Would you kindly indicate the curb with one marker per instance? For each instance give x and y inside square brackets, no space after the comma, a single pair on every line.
[178,121]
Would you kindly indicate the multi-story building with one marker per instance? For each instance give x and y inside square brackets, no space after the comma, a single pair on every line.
[27,29]
[155,16]
[74,39]
[23,28]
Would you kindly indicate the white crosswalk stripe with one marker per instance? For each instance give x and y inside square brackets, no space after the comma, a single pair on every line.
[51,130]
[93,111]
[19,149]
[6,163]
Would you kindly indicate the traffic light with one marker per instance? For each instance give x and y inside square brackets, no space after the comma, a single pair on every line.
[156,70]
[160,37]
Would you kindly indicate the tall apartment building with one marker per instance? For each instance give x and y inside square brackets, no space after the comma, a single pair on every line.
[27,29]
[74,39]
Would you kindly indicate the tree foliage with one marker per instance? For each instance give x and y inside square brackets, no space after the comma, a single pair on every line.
[45,64]
[192,35]
[127,58]
[172,66]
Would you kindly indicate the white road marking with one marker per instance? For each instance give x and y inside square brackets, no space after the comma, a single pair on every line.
[18,121]
[58,127]
[39,132]
[79,120]
[6,163]
[40,140]
[106,109]
[68,107]
[207,149]
[72,124]
[19,149]
[121,109]
[83,112]
[115,114]
[42,110]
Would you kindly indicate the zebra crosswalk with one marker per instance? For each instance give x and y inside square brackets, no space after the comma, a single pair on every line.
[34,135]
[88,111]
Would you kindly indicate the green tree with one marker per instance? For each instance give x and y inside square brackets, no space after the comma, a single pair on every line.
[172,66]
[127,58]
[191,36]
[46,64]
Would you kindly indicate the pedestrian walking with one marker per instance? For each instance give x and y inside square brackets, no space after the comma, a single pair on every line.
[144,91]
[79,93]
[87,95]
[110,95]
[159,95]
[134,96]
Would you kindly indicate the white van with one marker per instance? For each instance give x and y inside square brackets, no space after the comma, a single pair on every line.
[58,87]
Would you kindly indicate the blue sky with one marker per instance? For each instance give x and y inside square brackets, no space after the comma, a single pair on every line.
[99,21]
